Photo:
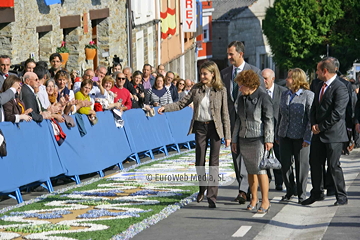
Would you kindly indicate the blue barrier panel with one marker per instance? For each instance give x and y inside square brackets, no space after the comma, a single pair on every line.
[30,155]
[102,146]
[179,123]
[110,142]
[161,128]
[34,155]
[140,132]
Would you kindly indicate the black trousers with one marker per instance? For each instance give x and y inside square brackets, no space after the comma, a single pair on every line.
[319,153]
[289,148]
[203,133]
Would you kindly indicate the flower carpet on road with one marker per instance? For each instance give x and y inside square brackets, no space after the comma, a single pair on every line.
[115,207]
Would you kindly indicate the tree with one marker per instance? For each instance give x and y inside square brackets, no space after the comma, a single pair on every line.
[298,31]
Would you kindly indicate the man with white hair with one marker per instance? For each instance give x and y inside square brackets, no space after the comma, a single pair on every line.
[27,95]
[275,91]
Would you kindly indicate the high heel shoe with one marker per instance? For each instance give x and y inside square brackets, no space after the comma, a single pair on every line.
[262,210]
[200,197]
[251,207]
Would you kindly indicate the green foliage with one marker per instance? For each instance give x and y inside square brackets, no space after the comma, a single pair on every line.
[91,45]
[299,31]
[62,48]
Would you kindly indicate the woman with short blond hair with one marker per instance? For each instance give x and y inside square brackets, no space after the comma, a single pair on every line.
[294,133]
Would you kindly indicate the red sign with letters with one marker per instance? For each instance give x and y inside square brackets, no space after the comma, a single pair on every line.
[189,15]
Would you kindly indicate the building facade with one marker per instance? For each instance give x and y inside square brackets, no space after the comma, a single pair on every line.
[241,21]
[37,28]
[204,40]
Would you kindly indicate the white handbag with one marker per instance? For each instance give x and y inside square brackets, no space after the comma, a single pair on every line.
[269,161]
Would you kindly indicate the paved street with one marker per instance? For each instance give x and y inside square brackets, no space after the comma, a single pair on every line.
[230,220]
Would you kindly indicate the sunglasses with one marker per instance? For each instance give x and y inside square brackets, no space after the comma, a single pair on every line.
[120,78]
[181,83]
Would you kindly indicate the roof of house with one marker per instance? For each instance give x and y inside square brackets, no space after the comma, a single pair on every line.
[227,9]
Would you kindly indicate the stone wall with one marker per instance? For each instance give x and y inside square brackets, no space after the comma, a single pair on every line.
[20,38]
[5,38]
[219,40]
[246,27]
[190,64]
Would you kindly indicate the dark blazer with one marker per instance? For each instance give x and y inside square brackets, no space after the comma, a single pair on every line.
[226,76]
[329,114]
[174,93]
[349,107]
[138,90]
[29,99]
[128,85]
[12,108]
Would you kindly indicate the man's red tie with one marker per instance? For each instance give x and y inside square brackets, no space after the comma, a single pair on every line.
[322,91]
[6,75]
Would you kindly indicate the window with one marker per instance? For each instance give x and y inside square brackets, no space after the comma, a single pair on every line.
[206,32]
[264,61]
[150,39]
[139,50]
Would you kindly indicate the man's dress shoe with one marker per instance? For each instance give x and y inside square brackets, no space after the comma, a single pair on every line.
[211,203]
[241,198]
[311,200]
[341,202]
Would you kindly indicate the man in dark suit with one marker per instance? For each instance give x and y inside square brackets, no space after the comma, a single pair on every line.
[327,117]
[274,92]
[27,95]
[5,63]
[328,183]
[235,53]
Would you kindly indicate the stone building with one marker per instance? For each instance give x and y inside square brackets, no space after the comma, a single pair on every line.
[134,31]
[33,27]
[241,21]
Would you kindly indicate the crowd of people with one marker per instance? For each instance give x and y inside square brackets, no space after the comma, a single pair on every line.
[306,125]
[40,92]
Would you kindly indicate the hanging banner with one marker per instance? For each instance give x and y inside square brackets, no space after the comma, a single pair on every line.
[188,15]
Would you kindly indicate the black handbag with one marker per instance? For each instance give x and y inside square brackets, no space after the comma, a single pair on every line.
[269,161]
[3,151]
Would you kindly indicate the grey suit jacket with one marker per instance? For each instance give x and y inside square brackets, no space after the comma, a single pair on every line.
[254,117]
[226,76]
[278,90]
[329,114]
[298,113]
[2,78]
[218,108]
